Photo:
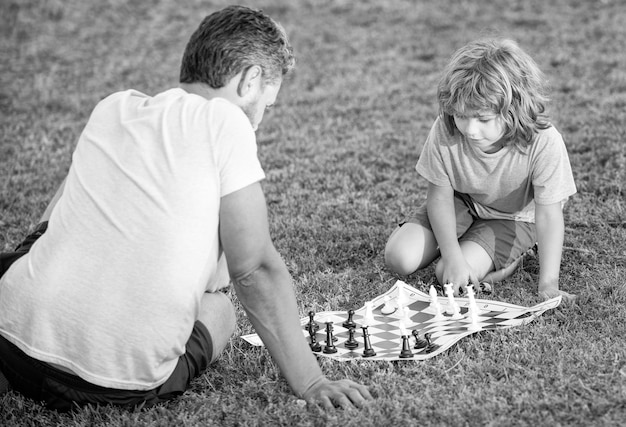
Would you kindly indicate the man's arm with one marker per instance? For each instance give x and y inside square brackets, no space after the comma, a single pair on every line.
[263,285]
[550,230]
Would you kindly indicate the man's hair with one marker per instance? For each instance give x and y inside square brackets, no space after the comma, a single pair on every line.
[495,75]
[232,40]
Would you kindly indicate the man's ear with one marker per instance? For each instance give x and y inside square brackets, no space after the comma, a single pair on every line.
[250,79]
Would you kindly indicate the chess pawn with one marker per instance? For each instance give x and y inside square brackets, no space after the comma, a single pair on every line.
[349,323]
[312,323]
[351,343]
[368,351]
[315,346]
[432,293]
[406,352]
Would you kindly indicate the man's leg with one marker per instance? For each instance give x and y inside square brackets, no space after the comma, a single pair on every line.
[217,314]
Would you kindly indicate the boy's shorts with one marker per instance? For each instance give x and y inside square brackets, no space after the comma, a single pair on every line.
[62,391]
[504,240]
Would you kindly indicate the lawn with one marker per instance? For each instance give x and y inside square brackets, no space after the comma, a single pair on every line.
[339,151]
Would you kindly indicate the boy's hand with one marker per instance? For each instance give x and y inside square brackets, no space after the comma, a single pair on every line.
[343,393]
[460,274]
[567,298]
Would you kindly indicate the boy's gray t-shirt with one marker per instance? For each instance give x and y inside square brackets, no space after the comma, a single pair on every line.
[505,184]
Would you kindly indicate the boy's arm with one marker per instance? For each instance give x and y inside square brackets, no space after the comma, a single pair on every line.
[550,231]
[263,285]
[442,217]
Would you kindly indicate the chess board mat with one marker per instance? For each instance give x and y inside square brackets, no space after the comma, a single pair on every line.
[386,330]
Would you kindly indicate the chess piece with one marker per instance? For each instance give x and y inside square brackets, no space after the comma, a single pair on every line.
[472,307]
[368,351]
[472,310]
[406,316]
[389,307]
[330,346]
[419,342]
[402,299]
[368,318]
[312,322]
[350,322]
[351,343]
[430,345]
[453,307]
[406,352]
[315,346]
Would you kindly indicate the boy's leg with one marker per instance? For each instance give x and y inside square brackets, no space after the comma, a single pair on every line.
[413,245]
[409,248]
[476,257]
[495,248]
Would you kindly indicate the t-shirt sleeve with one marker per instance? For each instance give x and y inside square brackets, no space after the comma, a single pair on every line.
[430,164]
[552,177]
[235,150]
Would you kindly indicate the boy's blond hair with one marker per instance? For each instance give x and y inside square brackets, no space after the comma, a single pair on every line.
[495,75]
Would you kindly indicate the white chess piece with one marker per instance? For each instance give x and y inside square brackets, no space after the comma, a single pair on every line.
[453,307]
[368,318]
[472,309]
[402,299]
[389,307]
[406,316]
[434,303]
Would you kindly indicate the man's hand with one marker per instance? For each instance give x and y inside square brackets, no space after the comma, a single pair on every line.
[343,393]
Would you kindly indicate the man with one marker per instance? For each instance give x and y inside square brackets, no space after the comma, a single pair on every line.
[116,296]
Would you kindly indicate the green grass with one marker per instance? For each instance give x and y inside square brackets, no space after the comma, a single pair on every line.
[339,151]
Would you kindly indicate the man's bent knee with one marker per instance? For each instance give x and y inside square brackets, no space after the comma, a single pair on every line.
[217,314]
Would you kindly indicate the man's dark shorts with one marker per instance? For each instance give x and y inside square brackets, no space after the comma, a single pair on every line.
[63,391]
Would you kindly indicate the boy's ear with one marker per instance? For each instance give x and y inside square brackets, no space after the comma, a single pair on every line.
[250,79]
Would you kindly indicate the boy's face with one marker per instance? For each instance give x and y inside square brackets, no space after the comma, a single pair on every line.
[483,129]
[264,99]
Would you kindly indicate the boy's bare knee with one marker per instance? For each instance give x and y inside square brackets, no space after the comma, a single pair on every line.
[398,263]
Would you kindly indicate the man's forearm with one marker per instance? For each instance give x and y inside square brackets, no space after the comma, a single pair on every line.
[268,298]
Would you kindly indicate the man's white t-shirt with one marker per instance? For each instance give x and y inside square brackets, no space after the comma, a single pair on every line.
[112,290]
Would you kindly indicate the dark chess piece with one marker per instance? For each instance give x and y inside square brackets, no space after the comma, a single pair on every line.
[406,352]
[351,343]
[368,351]
[350,323]
[419,342]
[431,346]
[312,322]
[315,346]
[330,346]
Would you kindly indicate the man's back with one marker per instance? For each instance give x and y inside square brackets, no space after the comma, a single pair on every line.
[111,291]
